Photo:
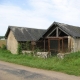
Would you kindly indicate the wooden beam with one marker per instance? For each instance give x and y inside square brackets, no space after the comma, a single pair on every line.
[51,32]
[49,45]
[57,33]
[44,45]
[59,45]
[64,31]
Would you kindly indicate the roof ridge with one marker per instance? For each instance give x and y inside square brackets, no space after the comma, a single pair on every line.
[66,24]
[25,33]
[27,27]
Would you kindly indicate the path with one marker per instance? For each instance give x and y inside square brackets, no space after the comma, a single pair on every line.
[10,71]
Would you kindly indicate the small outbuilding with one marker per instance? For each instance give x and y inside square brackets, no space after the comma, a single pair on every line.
[16,35]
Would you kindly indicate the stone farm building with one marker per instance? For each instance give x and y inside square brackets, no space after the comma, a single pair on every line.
[58,38]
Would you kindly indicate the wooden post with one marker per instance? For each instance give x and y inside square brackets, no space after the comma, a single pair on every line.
[44,45]
[59,45]
[33,43]
[49,45]
[57,34]
[32,47]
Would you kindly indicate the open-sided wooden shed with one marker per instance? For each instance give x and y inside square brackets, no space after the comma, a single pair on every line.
[61,38]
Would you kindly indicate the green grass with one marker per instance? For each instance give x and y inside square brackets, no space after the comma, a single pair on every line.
[70,64]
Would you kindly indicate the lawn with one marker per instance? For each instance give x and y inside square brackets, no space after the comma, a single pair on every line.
[70,64]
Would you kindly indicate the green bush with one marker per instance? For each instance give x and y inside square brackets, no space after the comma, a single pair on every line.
[3,47]
[19,50]
[27,45]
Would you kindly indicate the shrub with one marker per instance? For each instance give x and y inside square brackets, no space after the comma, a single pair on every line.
[3,47]
[28,45]
[36,50]
[19,50]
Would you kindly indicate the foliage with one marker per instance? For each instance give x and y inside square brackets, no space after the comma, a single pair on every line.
[36,50]
[28,45]
[3,47]
[25,45]
[70,64]
[19,50]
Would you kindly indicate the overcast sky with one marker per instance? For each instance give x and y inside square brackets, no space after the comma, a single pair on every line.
[38,13]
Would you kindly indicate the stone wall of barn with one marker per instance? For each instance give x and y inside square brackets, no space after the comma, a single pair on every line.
[12,43]
[70,44]
[73,44]
[77,44]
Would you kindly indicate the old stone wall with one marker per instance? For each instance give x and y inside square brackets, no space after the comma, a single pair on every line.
[74,44]
[77,44]
[71,42]
[12,43]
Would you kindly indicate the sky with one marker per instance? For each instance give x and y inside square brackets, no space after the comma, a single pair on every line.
[38,14]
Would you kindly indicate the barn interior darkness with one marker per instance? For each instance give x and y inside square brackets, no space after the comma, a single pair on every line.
[58,41]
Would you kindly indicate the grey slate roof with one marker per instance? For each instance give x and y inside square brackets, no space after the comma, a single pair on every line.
[25,34]
[30,34]
[74,31]
[71,30]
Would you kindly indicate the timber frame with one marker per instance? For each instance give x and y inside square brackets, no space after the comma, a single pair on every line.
[57,40]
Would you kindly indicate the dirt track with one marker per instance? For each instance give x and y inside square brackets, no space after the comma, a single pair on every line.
[9,71]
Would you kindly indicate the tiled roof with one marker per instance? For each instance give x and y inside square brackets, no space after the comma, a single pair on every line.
[71,30]
[25,34]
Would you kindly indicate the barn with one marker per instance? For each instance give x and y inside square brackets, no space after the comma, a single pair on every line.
[16,35]
[61,38]
[58,38]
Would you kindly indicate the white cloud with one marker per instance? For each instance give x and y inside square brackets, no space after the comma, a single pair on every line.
[12,15]
[58,10]
[40,15]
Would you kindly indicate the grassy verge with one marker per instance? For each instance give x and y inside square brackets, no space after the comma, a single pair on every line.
[70,64]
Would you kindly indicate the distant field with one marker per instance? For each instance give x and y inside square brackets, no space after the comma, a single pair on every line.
[2,42]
